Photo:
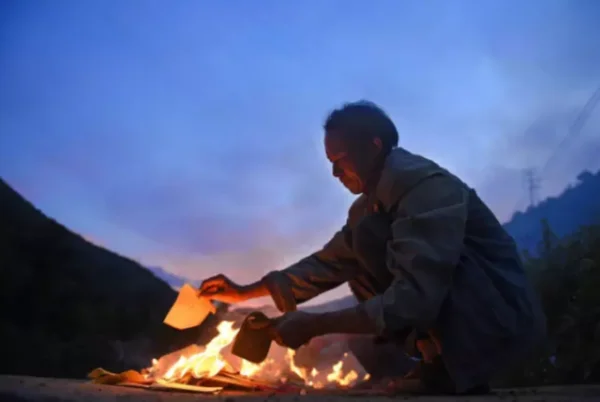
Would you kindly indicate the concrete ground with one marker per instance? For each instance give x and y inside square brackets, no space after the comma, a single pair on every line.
[32,389]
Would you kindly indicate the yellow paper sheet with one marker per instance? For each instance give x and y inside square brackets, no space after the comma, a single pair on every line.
[161,384]
[189,310]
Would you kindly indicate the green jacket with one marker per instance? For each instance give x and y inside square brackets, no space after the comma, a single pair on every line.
[446,266]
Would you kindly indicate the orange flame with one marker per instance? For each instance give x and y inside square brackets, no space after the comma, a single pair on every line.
[210,361]
[207,363]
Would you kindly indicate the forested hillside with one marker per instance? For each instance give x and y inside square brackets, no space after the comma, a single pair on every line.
[68,306]
[578,205]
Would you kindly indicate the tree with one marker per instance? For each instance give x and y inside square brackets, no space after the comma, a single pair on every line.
[567,277]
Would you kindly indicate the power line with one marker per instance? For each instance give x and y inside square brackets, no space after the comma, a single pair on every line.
[573,131]
[575,127]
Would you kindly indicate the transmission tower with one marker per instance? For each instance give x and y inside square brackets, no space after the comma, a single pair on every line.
[533,185]
[574,129]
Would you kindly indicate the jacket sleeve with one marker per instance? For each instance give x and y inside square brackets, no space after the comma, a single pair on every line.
[428,232]
[324,270]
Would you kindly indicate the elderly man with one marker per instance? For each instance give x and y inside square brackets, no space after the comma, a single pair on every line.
[429,262]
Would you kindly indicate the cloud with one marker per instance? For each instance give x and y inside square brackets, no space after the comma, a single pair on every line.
[552,145]
[184,143]
[228,202]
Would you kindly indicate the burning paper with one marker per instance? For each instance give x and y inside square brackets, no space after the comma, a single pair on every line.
[212,367]
[344,373]
[189,310]
[162,384]
[215,358]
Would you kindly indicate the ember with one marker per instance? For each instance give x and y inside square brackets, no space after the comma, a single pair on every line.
[212,368]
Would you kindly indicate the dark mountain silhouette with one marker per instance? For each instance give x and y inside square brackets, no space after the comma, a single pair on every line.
[576,206]
[175,281]
[68,306]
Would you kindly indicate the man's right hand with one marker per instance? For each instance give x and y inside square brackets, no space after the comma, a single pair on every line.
[222,289]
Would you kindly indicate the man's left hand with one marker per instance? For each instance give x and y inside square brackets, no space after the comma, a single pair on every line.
[295,329]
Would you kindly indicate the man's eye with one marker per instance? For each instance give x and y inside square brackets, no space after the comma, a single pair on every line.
[338,158]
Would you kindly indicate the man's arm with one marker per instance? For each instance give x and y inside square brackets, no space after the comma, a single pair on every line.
[427,239]
[324,270]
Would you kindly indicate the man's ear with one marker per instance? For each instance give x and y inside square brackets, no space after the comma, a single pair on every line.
[377,142]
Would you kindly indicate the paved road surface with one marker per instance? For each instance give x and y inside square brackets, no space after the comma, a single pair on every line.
[32,389]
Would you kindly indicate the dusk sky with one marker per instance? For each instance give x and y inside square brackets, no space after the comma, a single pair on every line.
[187,134]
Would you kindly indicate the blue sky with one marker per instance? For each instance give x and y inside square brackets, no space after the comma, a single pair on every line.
[187,134]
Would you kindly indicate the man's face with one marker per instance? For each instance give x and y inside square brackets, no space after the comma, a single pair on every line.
[352,160]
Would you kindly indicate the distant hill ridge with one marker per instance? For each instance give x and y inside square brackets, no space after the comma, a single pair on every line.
[576,206]
[69,306]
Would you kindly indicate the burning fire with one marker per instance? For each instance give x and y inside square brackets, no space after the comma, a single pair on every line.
[211,360]
[207,363]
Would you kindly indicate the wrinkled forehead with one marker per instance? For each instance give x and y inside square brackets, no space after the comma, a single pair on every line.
[336,144]
[339,143]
